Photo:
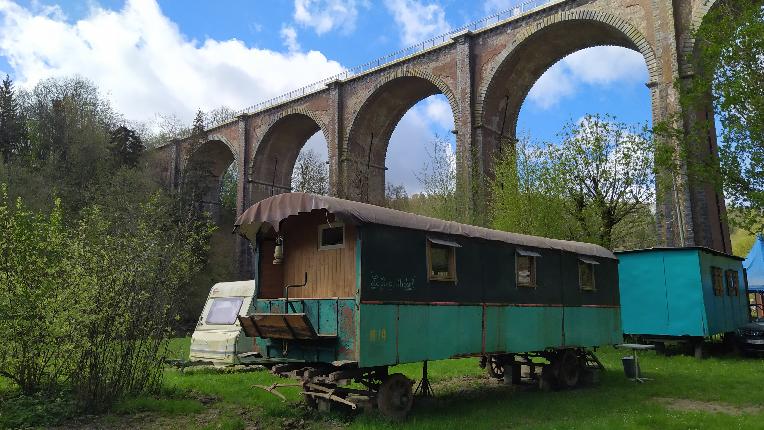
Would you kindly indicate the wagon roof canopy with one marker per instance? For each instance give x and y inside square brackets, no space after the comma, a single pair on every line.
[274,209]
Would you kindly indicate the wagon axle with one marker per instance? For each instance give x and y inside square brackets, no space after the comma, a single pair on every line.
[564,368]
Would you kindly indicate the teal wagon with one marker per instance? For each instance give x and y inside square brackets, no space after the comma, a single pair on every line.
[681,295]
[346,289]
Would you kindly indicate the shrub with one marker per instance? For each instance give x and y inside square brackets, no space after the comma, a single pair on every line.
[90,306]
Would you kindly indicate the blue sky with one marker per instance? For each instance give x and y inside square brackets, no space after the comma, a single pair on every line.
[175,56]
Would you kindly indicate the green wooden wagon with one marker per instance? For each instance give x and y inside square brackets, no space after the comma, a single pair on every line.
[346,289]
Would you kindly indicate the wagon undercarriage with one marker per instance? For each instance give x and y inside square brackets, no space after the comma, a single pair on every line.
[560,369]
[327,385]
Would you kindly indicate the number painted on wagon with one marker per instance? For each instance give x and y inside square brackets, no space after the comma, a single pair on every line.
[378,335]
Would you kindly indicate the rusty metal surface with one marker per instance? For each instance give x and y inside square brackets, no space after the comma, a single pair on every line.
[279,326]
[273,210]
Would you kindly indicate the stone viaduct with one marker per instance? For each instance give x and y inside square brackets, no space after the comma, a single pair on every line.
[485,72]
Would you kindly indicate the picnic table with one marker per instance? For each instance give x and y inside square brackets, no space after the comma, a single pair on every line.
[636,347]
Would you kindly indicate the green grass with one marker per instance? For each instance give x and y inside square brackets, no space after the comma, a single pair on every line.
[466,399]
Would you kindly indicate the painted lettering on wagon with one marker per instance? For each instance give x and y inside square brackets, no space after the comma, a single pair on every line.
[381,282]
[380,335]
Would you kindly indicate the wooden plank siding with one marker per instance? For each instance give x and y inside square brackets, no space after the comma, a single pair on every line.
[271,282]
[331,272]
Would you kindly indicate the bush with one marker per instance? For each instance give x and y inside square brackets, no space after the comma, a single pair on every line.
[90,306]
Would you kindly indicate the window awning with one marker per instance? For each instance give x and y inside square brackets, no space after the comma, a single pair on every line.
[443,242]
[588,260]
[527,253]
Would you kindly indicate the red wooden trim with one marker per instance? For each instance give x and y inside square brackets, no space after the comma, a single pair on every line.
[518,305]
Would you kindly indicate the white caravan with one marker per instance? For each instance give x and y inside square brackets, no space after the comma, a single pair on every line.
[218,337]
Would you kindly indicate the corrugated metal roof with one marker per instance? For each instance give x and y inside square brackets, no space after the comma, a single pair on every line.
[277,208]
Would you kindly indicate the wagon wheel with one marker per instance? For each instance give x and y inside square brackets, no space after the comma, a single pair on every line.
[395,398]
[495,368]
[569,369]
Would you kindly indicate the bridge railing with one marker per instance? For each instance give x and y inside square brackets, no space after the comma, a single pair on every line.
[506,15]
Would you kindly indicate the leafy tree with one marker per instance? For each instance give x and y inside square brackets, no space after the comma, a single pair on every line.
[729,71]
[126,146]
[197,129]
[228,189]
[220,115]
[13,136]
[522,198]
[604,170]
[587,188]
[438,180]
[396,197]
[310,174]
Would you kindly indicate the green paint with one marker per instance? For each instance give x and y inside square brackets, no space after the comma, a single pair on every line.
[428,332]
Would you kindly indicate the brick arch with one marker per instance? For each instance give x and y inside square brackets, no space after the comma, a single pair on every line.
[687,45]
[276,152]
[381,110]
[205,149]
[444,88]
[203,172]
[630,34]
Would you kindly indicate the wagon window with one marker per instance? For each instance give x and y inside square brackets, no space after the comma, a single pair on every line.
[717,280]
[441,260]
[733,283]
[586,274]
[224,310]
[525,263]
[331,236]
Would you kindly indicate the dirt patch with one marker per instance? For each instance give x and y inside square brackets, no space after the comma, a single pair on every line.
[687,405]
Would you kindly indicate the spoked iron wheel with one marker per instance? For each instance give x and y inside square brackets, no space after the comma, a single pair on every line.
[569,369]
[495,368]
[395,397]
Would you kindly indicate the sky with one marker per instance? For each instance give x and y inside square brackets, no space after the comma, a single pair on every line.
[154,57]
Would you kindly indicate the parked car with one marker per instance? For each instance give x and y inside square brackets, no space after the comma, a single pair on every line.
[750,337]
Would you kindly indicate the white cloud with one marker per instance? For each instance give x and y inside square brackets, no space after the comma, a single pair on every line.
[326,15]
[600,66]
[412,138]
[289,37]
[552,86]
[607,64]
[493,6]
[142,60]
[418,21]
[438,111]
[317,144]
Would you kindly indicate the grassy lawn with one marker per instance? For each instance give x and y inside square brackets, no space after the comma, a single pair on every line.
[723,392]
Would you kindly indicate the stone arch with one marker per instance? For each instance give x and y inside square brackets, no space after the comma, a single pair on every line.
[277,151]
[204,169]
[210,149]
[687,45]
[373,123]
[497,113]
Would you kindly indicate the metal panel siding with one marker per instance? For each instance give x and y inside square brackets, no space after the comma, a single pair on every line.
[586,326]
[644,305]
[377,337]
[438,332]
[496,329]
[392,334]
[670,292]
[684,294]
[533,328]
